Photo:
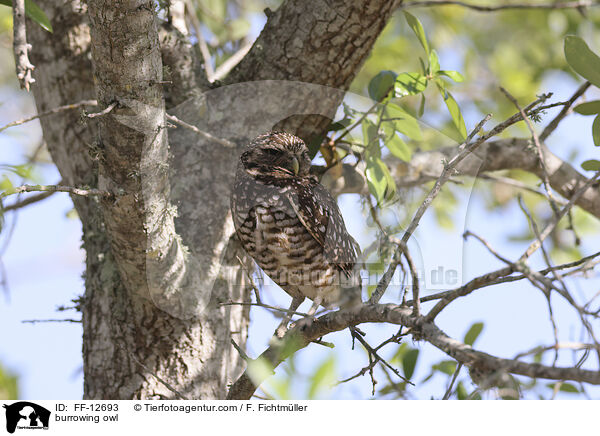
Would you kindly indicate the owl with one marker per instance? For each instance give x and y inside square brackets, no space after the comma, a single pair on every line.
[292,227]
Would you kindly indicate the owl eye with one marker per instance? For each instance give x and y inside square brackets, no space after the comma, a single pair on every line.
[271,151]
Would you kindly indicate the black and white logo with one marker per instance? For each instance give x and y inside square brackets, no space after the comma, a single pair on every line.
[26,415]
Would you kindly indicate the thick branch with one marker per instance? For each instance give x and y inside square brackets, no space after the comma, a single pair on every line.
[502,154]
[301,335]
[320,42]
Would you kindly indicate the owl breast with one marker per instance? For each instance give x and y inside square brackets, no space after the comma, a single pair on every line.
[273,235]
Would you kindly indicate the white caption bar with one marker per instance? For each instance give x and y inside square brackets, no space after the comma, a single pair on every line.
[294,417]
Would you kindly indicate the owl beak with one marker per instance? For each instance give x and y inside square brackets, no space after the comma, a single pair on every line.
[295,165]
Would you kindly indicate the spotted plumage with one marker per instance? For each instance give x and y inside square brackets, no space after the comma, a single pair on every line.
[291,226]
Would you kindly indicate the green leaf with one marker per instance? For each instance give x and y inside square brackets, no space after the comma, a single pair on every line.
[400,352]
[591,165]
[404,122]
[339,125]
[25,170]
[323,377]
[568,387]
[398,148]
[6,185]
[565,387]
[596,131]
[260,369]
[239,28]
[370,290]
[417,27]
[588,108]
[583,60]
[381,84]
[390,191]
[410,84]
[473,333]
[423,67]
[369,131]
[8,386]
[434,62]
[461,391]
[448,367]
[377,177]
[454,110]
[454,75]
[422,106]
[409,362]
[34,12]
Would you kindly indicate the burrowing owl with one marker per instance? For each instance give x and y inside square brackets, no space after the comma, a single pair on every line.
[291,226]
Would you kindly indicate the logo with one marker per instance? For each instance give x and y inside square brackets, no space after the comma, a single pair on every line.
[26,415]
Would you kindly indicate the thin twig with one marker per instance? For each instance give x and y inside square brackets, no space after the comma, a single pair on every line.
[454,377]
[35,321]
[516,184]
[196,130]
[374,353]
[356,123]
[487,245]
[405,252]
[20,46]
[360,373]
[208,68]
[558,346]
[28,201]
[106,110]
[250,279]
[266,306]
[485,8]
[446,173]
[538,149]
[564,112]
[550,227]
[57,188]
[242,353]
[499,276]
[224,69]
[536,232]
[50,112]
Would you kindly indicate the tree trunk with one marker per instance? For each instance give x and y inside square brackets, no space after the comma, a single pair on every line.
[128,341]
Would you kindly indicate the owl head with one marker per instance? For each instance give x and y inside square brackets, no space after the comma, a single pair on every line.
[276,155]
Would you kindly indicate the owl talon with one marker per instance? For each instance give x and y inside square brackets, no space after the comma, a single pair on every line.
[281,331]
[313,309]
[283,326]
[305,322]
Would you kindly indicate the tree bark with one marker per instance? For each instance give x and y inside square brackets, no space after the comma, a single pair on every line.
[128,342]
